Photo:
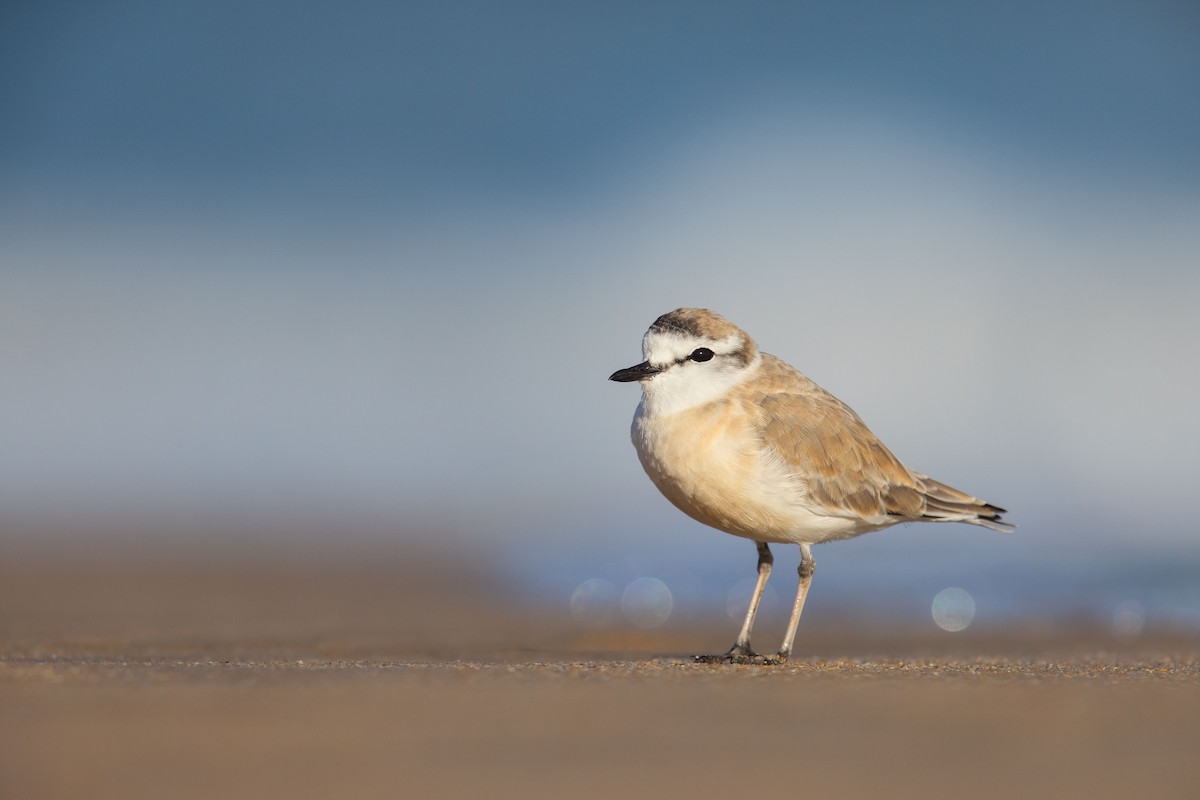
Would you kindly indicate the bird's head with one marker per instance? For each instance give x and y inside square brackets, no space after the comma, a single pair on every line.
[692,356]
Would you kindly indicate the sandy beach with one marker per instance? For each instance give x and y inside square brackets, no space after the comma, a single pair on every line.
[165,678]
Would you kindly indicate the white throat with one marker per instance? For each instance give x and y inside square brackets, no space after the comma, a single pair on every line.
[688,385]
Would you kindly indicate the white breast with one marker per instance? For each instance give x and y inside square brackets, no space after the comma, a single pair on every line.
[709,461]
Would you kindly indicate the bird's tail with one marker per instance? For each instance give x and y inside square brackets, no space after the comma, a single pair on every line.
[947,504]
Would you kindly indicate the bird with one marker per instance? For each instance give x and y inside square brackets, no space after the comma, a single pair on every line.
[745,443]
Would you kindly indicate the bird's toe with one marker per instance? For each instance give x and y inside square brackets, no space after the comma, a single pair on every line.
[740,655]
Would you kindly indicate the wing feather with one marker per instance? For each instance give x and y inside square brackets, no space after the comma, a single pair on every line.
[847,470]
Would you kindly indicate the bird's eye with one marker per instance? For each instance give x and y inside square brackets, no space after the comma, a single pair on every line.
[702,354]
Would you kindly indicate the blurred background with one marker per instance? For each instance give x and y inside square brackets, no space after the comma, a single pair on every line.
[286,281]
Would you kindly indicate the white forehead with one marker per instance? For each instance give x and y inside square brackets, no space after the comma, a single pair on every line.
[667,347]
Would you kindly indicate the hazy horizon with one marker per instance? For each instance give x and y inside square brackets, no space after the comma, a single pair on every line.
[367,268]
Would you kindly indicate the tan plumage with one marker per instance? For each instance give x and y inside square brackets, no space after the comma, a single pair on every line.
[847,469]
[745,443]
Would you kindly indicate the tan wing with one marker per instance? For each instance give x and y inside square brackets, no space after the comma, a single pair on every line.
[846,467]
[848,471]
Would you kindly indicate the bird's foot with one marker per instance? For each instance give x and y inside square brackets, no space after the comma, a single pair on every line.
[742,655]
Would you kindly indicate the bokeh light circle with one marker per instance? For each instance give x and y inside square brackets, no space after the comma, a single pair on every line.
[953,609]
[647,602]
[1128,619]
[594,603]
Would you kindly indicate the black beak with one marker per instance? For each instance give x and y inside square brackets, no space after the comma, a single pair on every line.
[636,373]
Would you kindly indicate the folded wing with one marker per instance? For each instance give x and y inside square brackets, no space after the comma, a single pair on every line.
[849,472]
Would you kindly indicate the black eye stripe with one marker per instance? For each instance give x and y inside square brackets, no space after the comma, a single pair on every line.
[700,355]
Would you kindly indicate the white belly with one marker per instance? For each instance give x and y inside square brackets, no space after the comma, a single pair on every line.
[712,466]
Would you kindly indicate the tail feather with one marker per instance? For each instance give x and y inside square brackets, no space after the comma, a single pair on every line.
[946,504]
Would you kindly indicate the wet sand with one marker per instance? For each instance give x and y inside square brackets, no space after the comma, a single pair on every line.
[254,679]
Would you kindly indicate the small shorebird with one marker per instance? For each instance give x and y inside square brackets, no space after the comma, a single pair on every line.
[741,441]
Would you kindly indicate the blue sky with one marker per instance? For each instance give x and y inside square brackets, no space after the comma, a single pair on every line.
[368,265]
[394,102]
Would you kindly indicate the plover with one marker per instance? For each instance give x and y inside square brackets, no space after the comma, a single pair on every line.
[743,442]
